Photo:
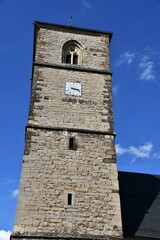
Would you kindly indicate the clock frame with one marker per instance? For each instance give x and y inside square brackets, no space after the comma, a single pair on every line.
[73,88]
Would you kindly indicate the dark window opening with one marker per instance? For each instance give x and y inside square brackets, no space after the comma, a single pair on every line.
[69,199]
[75,59]
[72,144]
[68,58]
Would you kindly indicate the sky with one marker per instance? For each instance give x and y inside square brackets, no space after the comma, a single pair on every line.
[135,63]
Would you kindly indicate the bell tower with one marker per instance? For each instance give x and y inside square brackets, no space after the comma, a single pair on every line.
[69,187]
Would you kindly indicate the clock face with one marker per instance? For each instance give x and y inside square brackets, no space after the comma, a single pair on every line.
[73,88]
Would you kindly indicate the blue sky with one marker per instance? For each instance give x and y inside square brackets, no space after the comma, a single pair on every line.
[135,63]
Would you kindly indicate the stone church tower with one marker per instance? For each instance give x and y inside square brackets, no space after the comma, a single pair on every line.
[69,187]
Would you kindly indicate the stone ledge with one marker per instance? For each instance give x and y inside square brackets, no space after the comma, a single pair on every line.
[42,236]
[71,130]
[71,67]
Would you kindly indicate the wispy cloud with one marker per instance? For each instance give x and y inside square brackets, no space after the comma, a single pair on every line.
[146,62]
[8,196]
[151,51]
[142,151]
[120,150]
[15,193]
[146,69]
[156,155]
[9,190]
[86,4]
[126,58]
[4,235]
[115,89]
[7,182]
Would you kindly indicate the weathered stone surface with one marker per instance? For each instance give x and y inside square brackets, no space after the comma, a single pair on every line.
[51,107]
[50,169]
[50,41]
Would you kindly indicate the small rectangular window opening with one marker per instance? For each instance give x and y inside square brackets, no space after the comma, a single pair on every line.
[69,199]
[71,143]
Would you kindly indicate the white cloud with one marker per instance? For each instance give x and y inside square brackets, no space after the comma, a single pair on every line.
[86,4]
[4,235]
[143,151]
[126,58]
[15,193]
[146,62]
[115,89]
[146,69]
[120,150]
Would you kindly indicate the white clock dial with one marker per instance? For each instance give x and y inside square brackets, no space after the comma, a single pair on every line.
[73,88]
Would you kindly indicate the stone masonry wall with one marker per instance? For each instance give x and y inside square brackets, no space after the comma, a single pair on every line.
[51,171]
[50,42]
[51,107]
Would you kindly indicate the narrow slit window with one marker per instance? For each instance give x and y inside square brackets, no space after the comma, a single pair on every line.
[69,199]
[72,143]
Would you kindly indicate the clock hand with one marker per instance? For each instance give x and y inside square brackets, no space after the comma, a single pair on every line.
[75,89]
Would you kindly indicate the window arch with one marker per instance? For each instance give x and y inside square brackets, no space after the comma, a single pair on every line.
[72,53]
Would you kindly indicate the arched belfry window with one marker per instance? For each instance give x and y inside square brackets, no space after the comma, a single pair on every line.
[72,53]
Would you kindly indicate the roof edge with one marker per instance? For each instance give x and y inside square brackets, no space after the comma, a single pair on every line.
[139,173]
[38,23]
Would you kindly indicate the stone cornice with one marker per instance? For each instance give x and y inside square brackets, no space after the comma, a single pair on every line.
[72,67]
